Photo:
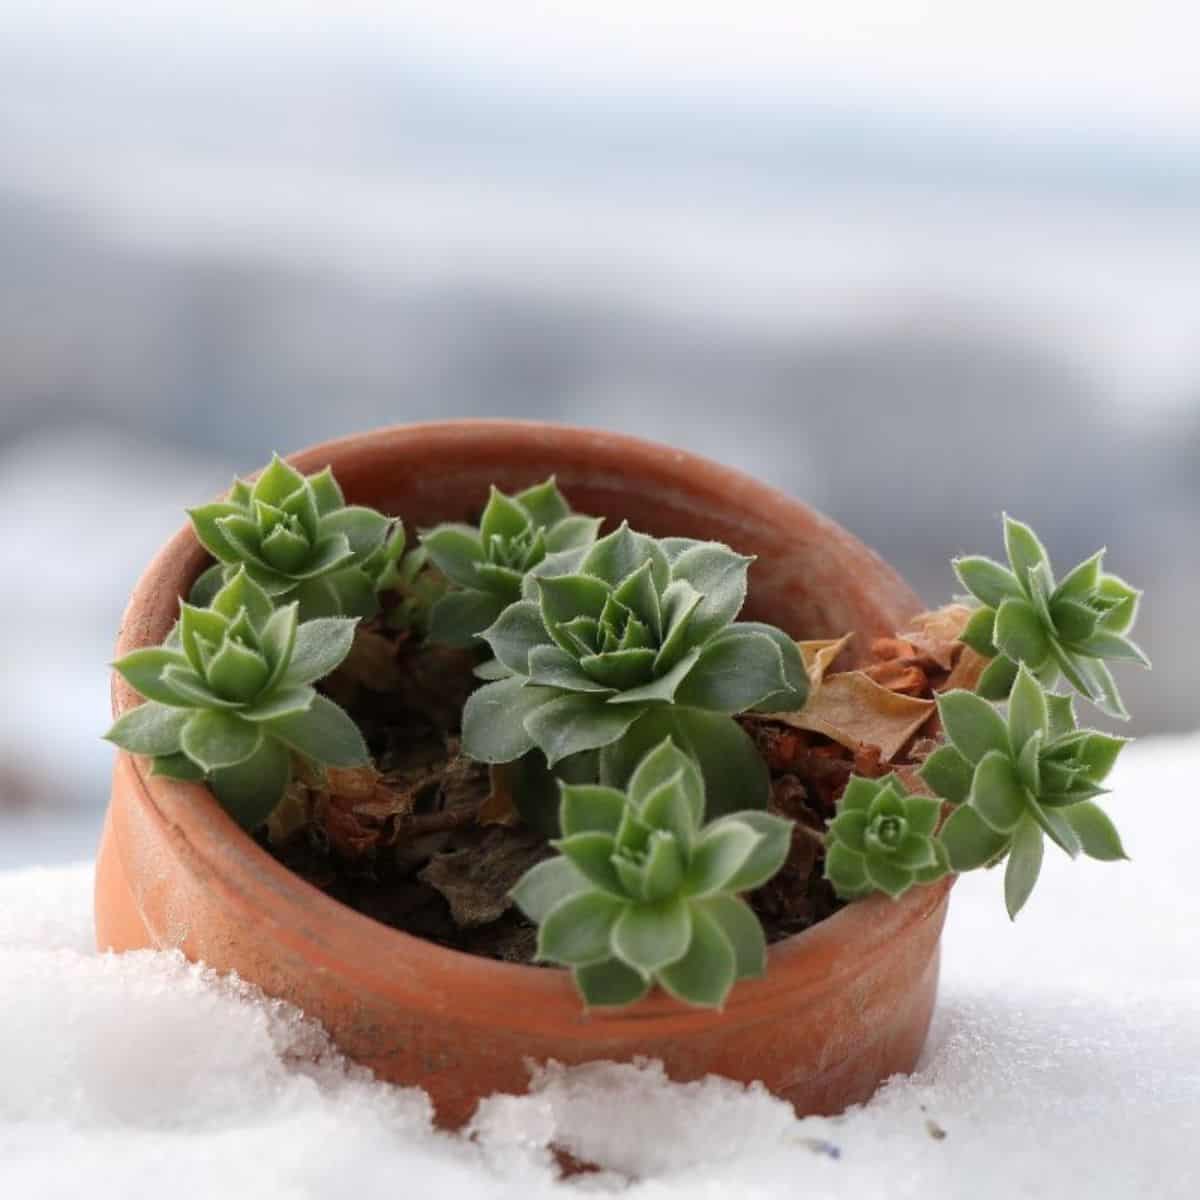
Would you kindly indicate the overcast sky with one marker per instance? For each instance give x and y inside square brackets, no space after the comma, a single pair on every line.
[1117,69]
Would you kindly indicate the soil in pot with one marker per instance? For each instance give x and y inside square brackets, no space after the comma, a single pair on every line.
[428,841]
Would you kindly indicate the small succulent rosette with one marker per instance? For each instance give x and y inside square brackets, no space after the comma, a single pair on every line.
[229,699]
[882,839]
[644,892]
[625,644]
[489,564]
[298,540]
[1069,628]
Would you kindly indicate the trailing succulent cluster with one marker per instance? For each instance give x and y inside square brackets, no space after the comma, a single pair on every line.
[631,640]
[645,892]
[1011,778]
[619,666]
[229,698]
[1069,628]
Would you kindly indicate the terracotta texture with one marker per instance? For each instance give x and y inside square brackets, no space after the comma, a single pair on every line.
[843,1005]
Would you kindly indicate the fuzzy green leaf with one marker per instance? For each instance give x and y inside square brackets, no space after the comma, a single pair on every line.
[493,725]
[458,618]
[648,937]
[216,739]
[250,790]
[577,931]
[1024,866]
[546,885]
[609,984]
[707,972]
[573,723]
[323,732]
[144,669]
[281,702]
[719,575]
[721,851]
[735,671]
[1020,633]
[1025,552]
[364,528]
[319,648]
[590,808]
[1027,711]
[664,764]
[968,841]
[456,550]
[769,853]
[177,766]
[988,581]
[997,794]
[948,773]
[979,632]
[846,869]
[997,679]
[740,926]
[151,728]
[1098,836]
[972,725]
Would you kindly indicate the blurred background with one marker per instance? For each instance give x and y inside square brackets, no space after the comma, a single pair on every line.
[915,263]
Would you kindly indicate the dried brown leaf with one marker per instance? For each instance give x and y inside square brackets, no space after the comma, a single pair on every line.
[936,633]
[819,655]
[499,808]
[855,711]
[970,666]
[476,881]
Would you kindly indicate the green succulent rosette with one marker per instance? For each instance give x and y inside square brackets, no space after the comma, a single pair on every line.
[229,699]
[1019,779]
[634,642]
[489,563]
[1069,628]
[882,839]
[644,892]
[298,540]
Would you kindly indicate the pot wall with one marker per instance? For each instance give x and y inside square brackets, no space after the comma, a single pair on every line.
[843,1005]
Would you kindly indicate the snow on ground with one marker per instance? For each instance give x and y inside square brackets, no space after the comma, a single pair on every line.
[1064,1060]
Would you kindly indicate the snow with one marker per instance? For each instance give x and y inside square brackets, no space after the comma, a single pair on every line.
[1064,1059]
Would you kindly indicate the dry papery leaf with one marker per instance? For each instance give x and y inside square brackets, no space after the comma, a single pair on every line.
[499,808]
[477,879]
[854,711]
[936,633]
[819,655]
[970,666]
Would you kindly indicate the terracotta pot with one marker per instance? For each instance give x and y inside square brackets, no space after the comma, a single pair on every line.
[843,1005]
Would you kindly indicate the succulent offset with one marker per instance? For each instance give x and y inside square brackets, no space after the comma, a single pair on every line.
[882,839]
[634,641]
[1015,780]
[645,893]
[298,540]
[1070,627]
[229,698]
[489,563]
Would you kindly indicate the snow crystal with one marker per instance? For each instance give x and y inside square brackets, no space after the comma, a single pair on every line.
[1064,1060]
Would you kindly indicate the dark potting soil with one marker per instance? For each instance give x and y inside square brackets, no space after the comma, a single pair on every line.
[422,842]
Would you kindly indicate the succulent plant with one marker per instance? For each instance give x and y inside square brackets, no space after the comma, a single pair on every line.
[636,644]
[882,839]
[229,698]
[644,892]
[489,564]
[298,540]
[408,584]
[1015,780]
[1068,628]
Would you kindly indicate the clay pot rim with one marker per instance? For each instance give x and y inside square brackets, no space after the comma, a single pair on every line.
[337,938]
